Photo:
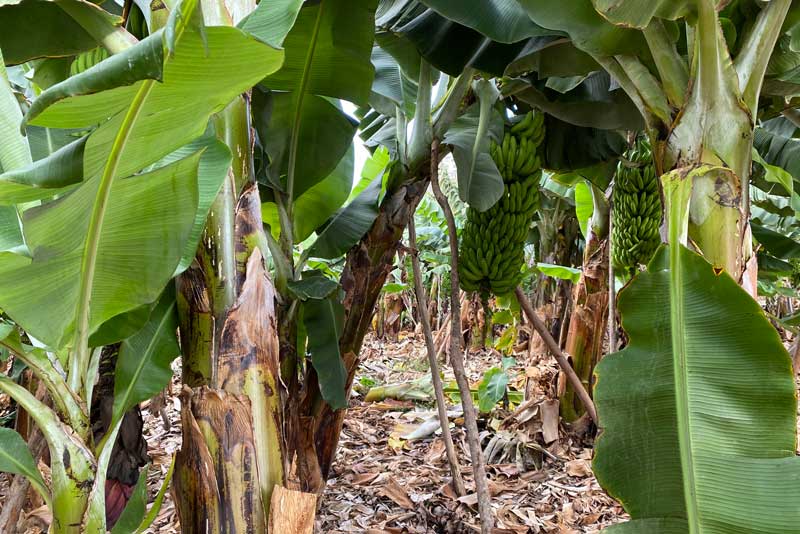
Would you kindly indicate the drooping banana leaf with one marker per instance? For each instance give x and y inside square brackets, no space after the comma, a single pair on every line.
[479,181]
[142,230]
[586,27]
[433,34]
[499,20]
[271,20]
[44,178]
[211,172]
[392,87]
[328,51]
[639,13]
[349,224]
[31,29]
[143,365]
[698,412]
[595,102]
[324,134]
[776,243]
[322,314]
[320,202]
[326,57]
[16,458]
[14,153]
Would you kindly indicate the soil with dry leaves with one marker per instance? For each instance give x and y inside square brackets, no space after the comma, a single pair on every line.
[391,474]
[384,483]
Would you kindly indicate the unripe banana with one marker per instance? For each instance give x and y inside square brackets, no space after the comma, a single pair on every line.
[86,60]
[637,209]
[493,241]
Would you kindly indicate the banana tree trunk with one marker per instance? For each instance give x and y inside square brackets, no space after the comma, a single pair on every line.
[715,127]
[588,320]
[231,418]
[368,265]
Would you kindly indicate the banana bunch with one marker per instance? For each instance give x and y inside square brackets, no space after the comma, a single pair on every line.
[637,209]
[493,241]
[87,60]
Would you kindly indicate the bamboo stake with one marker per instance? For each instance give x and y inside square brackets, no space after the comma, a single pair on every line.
[425,321]
[457,359]
[555,350]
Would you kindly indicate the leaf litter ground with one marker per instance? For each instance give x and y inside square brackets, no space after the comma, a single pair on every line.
[383,481]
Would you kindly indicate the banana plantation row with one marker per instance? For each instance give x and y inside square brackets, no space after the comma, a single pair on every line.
[176,179]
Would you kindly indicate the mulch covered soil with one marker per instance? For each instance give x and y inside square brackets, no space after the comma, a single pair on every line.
[391,474]
[384,483]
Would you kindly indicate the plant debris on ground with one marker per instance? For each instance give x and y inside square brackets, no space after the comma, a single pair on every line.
[384,483]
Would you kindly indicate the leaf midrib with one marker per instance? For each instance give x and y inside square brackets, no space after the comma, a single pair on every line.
[80,358]
[678,194]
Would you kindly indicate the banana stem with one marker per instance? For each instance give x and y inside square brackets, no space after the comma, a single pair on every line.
[424,319]
[456,358]
[555,350]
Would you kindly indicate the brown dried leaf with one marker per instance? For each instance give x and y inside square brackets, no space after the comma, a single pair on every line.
[549,413]
[578,468]
[396,493]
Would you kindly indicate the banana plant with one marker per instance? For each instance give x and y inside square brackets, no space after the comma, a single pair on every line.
[324,322]
[126,205]
[701,86]
[166,130]
[698,412]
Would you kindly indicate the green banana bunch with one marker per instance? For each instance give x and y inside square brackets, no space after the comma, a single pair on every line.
[87,60]
[637,209]
[493,241]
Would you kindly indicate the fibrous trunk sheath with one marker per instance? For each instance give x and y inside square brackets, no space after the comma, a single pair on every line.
[232,452]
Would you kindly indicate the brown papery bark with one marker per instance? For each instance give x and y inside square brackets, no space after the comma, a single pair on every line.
[292,512]
[232,451]
[587,323]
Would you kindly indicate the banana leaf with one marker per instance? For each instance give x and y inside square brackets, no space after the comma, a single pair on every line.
[698,412]
[147,219]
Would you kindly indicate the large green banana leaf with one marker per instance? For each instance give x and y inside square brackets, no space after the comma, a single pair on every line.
[271,20]
[328,51]
[349,224]
[321,315]
[698,412]
[14,153]
[639,13]
[14,150]
[147,221]
[144,233]
[322,201]
[587,28]
[324,58]
[31,29]
[324,135]
[500,20]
